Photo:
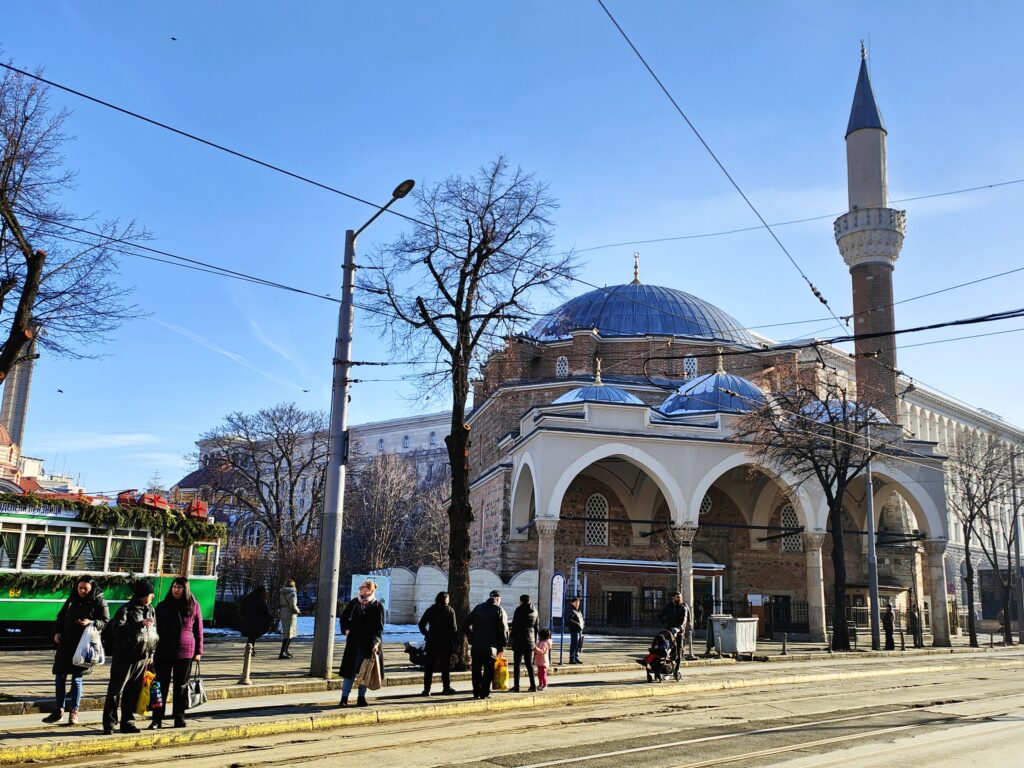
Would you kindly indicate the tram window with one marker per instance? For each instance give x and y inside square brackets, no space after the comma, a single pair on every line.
[95,552]
[172,559]
[35,557]
[203,559]
[154,557]
[78,559]
[127,555]
[10,537]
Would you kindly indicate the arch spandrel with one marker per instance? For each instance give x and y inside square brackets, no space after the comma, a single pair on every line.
[524,496]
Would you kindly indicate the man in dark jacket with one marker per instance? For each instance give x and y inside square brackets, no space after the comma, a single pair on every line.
[889,625]
[133,641]
[441,630]
[525,626]
[487,629]
[574,621]
[676,615]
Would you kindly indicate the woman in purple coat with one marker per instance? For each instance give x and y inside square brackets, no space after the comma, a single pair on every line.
[179,622]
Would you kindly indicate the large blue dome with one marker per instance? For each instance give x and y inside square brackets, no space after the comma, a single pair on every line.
[635,309]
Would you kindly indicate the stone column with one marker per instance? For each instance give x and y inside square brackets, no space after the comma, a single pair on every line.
[546,528]
[815,585]
[686,533]
[936,548]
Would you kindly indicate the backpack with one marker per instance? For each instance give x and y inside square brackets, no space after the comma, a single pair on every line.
[107,635]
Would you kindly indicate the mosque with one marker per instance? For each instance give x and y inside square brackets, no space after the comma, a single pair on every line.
[581,462]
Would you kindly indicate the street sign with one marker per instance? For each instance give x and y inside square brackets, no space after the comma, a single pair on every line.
[557,595]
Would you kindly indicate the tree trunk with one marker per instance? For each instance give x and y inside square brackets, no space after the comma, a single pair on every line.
[840,632]
[1006,587]
[460,518]
[972,630]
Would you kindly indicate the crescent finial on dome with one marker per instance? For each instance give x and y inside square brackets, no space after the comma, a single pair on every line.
[597,373]
[636,268]
[721,367]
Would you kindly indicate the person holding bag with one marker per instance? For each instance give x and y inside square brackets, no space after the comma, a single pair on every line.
[362,623]
[133,638]
[85,607]
[179,622]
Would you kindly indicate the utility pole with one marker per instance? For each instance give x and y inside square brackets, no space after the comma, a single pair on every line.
[1019,580]
[876,618]
[337,457]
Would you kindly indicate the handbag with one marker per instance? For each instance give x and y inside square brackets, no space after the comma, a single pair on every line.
[89,651]
[142,703]
[369,673]
[195,691]
[501,681]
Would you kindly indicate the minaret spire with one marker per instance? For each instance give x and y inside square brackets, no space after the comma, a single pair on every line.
[636,268]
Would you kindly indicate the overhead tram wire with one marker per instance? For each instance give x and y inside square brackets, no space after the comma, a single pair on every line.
[817,294]
[327,187]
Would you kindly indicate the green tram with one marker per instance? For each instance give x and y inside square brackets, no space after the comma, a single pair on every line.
[46,544]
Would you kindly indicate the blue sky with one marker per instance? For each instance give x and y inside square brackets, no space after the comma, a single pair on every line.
[363,95]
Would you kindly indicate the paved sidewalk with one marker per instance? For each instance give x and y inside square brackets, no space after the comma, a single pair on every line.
[26,684]
[25,738]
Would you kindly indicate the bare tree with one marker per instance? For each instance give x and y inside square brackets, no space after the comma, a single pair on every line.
[461,276]
[429,542]
[997,534]
[977,475]
[58,275]
[810,429]
[378,518]
[272,465]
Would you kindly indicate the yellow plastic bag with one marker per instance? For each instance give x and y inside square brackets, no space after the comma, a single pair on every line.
[142,705]
[500,673]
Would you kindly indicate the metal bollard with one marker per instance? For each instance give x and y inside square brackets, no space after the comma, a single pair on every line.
[785,643]
[246,665]
[991,642]
[718,645]
[903,644]
[689,645]
[828,639]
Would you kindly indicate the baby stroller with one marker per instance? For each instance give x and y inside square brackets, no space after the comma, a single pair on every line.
[662,658]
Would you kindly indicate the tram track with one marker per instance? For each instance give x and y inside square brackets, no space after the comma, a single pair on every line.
[430,735]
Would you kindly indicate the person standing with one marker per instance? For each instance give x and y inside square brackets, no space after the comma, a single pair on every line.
[487,629]
[574,621]
[889,624]
[676,616]
[525,624]
[179,623]
[440,629]
[362,623]
[914,626]
[83,607]
[541,659]
[133,639]
[256,616]
[288,612]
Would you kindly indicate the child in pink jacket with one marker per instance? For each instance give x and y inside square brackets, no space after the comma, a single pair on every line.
[540,658]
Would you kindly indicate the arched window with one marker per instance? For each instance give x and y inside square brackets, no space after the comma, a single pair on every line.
[705,505]
[433,438]
[791,543]
[689,367]
[380,445]
[405,442]
[562,367]
[595,532]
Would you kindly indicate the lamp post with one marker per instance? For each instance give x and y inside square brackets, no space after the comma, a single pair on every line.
[337,458]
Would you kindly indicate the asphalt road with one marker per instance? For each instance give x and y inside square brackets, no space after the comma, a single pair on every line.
[963,718]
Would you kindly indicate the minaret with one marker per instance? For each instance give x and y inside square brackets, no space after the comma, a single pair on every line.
[870,237]
[14,406]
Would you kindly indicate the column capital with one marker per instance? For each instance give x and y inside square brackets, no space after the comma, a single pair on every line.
[686,532]
[546,526]
[935,547]
[813,540]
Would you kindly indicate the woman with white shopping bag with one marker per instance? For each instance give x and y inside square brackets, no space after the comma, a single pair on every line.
[84,609]
[362,623]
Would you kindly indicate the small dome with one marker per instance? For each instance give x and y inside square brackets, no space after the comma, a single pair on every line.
[854,412]
[598,393]
[635,309]
[717,392]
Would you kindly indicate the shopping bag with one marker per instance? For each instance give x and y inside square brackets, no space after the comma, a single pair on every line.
[89,651]
[142,704]
[500,673]
[195,691]
[369,673]
[156,698]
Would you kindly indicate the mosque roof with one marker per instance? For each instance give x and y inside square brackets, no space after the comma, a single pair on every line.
[833,410]
[717,392]
[635,309]
[864,113]
[598,392]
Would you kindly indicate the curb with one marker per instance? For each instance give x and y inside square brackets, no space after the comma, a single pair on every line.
[309,724]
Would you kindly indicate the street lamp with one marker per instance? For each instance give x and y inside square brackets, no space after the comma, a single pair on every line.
[337,458]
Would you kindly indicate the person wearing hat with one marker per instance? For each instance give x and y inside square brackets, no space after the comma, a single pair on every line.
[133,639]
[487,630]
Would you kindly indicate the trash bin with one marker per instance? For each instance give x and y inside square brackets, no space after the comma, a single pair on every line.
[737,635]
